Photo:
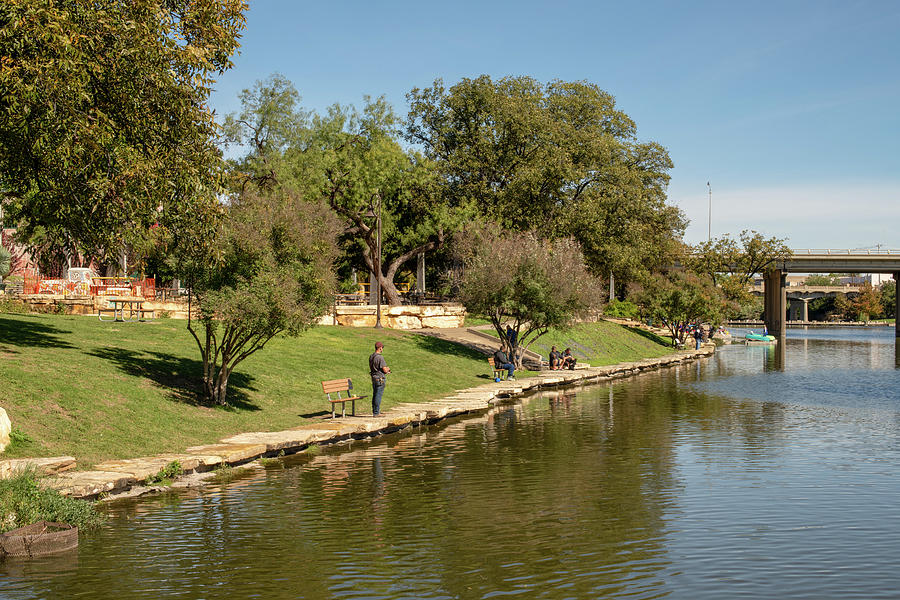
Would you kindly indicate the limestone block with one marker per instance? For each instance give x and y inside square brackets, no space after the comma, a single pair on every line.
[192,462]
[442,321]
[404,322]
[139,468]
[43,466]
[86,484]
[356,320]
[394,311]
[273,440]
[231,453]
[5,429]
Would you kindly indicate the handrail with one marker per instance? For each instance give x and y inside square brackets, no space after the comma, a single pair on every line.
[844,252]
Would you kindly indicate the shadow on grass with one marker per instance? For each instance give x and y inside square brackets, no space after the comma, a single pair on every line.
[179,375]
[25,332]
[439,346]
[321,413]
[650,336]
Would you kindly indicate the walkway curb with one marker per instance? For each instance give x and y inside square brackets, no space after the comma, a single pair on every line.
[114,477]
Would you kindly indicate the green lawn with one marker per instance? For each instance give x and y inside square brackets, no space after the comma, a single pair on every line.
[602,343]
[75,386]
[97,390]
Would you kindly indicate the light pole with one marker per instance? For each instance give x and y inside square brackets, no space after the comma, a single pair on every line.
[378,266]
[709,230]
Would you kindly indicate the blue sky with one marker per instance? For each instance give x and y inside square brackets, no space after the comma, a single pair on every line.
[791,110]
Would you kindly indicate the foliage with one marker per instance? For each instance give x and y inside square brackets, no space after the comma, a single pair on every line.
[15,307]
[621,309]
[679,299]
[888,298]
[24,501]
[867,303]
[556,157]
[822,280]
[519,280]
[5,262]
[274,276]
[106,128]
[745,258]
[167,474]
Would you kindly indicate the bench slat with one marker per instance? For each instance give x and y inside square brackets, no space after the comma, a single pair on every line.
[336,385]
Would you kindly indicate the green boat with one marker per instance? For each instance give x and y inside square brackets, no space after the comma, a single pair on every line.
[759,337]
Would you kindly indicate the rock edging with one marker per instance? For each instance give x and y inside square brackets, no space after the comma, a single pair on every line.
[116,477]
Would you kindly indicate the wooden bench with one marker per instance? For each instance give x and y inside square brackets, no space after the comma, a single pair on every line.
[498,373]
[336,386]
[145,312]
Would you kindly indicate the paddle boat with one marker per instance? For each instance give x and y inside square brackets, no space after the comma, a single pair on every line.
[759,337]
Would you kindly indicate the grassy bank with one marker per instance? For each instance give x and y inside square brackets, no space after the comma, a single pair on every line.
[76,386]
[602,343]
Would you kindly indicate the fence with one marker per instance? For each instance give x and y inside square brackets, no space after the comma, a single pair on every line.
[97,286]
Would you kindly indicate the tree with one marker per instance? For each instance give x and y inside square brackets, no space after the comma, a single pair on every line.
[5,262]
[732,264]
[679,300]
[516,279]
[888,298]
[867,303]
[270,274]
[105,129]
[557,158]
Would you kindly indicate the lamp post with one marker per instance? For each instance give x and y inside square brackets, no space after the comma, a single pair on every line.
[709,230]
[378,266]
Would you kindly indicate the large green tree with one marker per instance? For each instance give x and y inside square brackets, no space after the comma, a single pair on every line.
[679,299]
[352,161]
[105,128]
[558,158]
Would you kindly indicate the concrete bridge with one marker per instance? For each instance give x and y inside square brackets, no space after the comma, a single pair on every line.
[823,261]
[798,296]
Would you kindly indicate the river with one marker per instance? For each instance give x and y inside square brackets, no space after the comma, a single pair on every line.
[759,473]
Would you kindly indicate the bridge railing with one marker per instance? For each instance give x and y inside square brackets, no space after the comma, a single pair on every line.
[844,252]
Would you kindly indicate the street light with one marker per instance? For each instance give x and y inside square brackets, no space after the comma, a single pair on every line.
[378,266]
[709,231]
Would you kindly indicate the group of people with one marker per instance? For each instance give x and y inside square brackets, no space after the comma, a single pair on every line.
[378,369]
[563,360]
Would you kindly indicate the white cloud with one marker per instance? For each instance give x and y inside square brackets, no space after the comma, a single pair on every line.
[842,215]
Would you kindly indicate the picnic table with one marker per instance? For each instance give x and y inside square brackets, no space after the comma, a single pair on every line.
[122,306]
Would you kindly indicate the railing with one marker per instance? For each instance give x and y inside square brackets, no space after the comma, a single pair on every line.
[98,286]
[844,252]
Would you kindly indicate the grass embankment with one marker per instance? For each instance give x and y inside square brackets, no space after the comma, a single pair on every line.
[602,343]
[75,386]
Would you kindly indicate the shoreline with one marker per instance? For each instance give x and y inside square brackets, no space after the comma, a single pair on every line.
[120,479]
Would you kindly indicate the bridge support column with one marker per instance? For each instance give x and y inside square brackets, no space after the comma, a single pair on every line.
[897,306]
[775,301]
[804,310]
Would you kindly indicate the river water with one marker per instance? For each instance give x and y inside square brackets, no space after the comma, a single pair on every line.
[759,473]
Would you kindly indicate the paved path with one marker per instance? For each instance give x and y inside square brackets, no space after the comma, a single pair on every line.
[119,476]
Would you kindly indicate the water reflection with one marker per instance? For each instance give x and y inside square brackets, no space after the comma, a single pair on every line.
[746,472]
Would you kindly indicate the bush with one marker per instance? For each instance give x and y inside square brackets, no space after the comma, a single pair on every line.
[24,501]
[14,307]
[621,309]
[167,474]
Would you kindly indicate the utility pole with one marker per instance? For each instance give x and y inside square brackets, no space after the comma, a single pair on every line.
[378,267]
[709,230]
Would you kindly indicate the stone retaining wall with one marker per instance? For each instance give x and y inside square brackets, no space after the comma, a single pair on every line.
[428,316]
[119,476]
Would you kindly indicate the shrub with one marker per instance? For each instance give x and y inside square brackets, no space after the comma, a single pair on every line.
[621,309]
[24,501]
[167,474]
[15,307]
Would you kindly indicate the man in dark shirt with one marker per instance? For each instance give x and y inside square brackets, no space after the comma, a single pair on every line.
[568,361]
[378,370]
[555,358]
[501,362]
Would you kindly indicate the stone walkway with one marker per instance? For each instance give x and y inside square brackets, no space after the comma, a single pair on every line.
[118,476]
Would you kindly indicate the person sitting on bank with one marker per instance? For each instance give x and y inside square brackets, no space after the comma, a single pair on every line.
[502,362]
[568,361]
[555,359]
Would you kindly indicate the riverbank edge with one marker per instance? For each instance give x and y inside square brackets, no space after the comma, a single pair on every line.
[116,479]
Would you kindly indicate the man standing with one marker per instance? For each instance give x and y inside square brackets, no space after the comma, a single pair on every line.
[501,362]
[378,369]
